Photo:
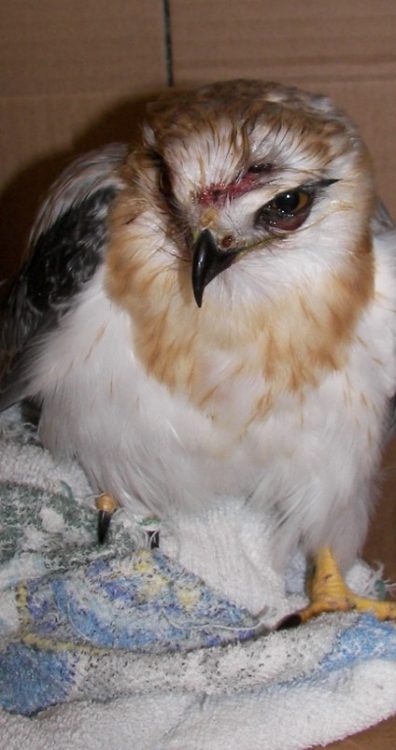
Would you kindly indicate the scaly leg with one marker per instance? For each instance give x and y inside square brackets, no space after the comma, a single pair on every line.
[328,592]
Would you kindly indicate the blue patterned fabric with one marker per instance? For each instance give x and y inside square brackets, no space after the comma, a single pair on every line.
[80,622]
[144,603]
[69,599]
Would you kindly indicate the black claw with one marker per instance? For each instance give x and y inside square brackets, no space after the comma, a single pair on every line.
[104,519]
[291,621]
[153,539]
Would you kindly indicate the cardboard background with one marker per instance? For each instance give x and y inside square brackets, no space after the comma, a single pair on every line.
[346,49]
[72,76]
[75,75]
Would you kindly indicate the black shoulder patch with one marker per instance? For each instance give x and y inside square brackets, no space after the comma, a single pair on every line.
[68,254]
[63,259]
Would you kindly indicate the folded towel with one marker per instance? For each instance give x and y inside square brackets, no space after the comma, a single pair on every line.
[125,646]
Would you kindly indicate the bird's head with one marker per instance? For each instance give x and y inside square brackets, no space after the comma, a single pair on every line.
[264,178]
[259,197]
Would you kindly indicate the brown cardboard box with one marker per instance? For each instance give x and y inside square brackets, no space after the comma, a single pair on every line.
[74,75]
[68,73]
[346,49]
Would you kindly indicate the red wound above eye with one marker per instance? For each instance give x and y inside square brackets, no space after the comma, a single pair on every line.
[216,195]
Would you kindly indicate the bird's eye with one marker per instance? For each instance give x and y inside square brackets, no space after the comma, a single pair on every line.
[288,210]
[290,202]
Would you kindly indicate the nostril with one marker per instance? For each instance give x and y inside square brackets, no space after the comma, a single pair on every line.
[227,241]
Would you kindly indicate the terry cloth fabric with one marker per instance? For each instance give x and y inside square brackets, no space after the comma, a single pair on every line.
[122,646]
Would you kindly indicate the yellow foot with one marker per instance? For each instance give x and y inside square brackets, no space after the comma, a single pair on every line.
[329,593]
[106,505]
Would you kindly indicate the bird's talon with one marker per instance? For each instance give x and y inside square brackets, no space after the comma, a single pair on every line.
[329,593]
[289,622]
[153,539]
[106,505]
[103,525]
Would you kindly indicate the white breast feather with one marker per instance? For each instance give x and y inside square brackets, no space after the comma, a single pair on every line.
[309,464]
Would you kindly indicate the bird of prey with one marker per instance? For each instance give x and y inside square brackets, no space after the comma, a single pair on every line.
[211,314]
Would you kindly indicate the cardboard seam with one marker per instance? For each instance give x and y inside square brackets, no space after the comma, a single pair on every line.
[168,42]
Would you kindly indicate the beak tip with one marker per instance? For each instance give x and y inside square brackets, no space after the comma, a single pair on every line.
[198,297]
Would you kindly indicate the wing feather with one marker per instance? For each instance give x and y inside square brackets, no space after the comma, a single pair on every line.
[67,246]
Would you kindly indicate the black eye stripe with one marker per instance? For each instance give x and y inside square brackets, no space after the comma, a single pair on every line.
[164,177]
[260,168]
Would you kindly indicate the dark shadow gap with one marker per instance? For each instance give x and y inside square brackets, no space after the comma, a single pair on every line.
[168,43]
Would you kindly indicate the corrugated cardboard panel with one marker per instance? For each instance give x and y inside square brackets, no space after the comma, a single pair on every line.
[38,136]
[52,48]
[68,74]
[372,105]
[284,40]
[345,49]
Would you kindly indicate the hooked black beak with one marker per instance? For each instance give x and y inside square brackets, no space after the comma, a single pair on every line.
[208,262]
